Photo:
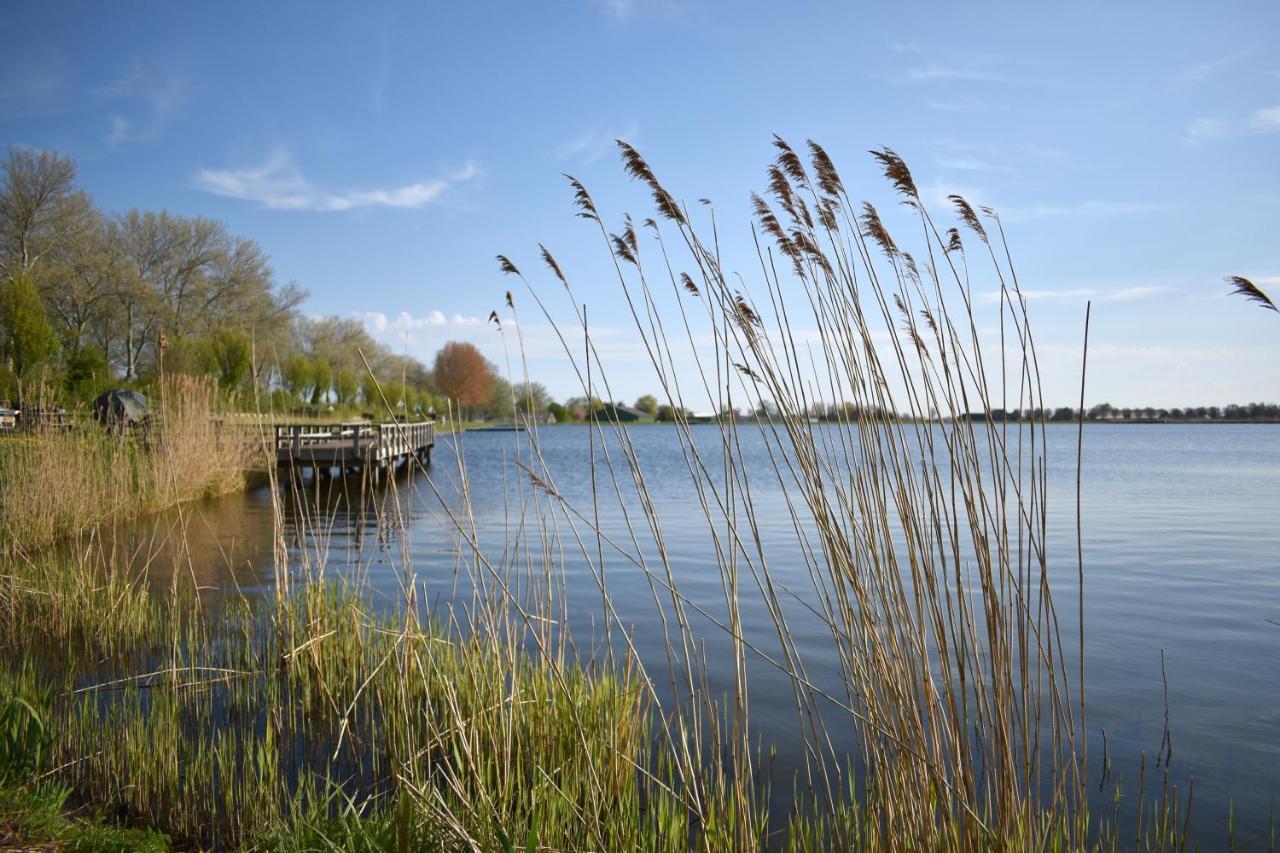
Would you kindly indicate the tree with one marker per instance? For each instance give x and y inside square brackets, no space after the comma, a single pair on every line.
[321,379]
[346,386]
[531,397]
[296,374]
[232,354]
[193,356]
[26,338]
[38,207]
[648,404]
[559,412]
[87,372]
[369,391]
[462,373]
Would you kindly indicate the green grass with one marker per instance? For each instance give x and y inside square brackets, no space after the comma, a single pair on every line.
[39,814]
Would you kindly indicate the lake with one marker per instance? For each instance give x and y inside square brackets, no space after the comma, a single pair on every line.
[1182,571]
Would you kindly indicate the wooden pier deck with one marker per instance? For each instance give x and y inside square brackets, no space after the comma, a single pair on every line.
[351,447]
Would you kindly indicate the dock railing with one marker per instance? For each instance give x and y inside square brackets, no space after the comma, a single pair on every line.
[352,443]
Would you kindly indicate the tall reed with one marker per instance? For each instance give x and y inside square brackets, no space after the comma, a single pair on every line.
[59,483]
[922,526]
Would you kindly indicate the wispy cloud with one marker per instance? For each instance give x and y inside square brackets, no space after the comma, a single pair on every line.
[961,105]
[591,145]
[625,10]
[153,99]
[1081,294]
[1265,120]
[1004,157]
[1206,69]
[1202,129]
[1092,208]
[279,184]
[1261,120]
[950,72]
[968,164]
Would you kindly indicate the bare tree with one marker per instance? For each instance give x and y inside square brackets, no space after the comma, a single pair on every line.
[39,207]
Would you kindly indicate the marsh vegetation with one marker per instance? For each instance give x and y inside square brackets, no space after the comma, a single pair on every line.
[320,716]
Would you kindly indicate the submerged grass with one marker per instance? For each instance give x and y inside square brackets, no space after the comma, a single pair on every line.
[312,719]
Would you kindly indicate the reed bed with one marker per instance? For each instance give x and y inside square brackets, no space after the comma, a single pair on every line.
[59,483]
[312,718]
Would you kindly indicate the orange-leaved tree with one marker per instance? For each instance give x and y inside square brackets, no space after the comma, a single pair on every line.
[462,373]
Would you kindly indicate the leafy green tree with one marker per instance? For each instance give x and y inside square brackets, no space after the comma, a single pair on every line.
[369,391]
[346,386]
[648,404]
[321,379]
[296,373]
[26,338]
[87,372]
[559,412]
[531,396]
[233,354]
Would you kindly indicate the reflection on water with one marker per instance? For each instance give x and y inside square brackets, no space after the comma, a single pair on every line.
[1182,554]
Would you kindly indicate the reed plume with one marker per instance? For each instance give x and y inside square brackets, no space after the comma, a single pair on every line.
[1246,288]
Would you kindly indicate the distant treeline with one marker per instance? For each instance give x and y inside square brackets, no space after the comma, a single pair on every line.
[1234,413]
[1104,412]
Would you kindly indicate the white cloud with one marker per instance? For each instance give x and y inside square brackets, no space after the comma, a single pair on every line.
[1266,120]
[120,130]
[964,164]
[961,105]
[1092,208]
[624,10]
[1261,120]
[416,331]
[156,98]
[1202,129]
[1081,294]
[946,72]
[1203,70]
[591,145]
[1132,294]
[936,195]
[280,185]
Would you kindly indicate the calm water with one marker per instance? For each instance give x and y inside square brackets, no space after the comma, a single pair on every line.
[1181,546]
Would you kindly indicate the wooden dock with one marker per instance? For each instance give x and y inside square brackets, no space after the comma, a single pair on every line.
[378,448]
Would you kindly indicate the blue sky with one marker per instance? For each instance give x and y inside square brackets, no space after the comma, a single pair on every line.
[383,155]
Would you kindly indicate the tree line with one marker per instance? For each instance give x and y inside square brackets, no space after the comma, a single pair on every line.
[91,299]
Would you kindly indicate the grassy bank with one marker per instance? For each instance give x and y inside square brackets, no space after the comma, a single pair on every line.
[61,483]
[309,722]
